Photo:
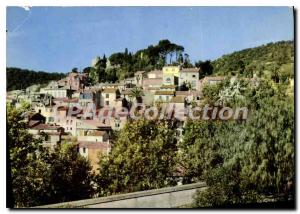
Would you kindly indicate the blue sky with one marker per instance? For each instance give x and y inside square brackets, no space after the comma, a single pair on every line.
[56,39]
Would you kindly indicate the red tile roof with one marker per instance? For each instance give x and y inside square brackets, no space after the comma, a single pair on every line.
[152,81]
[188,93]
[46,127]
[168,86]
[216,78]
[33,123]
[96,123]
[189,70]
[164,93]
[94,145]
[110,90]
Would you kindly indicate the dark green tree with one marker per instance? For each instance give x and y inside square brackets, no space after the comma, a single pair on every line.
[142,158]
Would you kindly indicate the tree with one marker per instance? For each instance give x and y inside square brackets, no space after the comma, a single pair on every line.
[206,69]
[25,168]
[74,70]
[186,61]
[136,93]
[262,59]
[199,149]
[142,158]
[39,176]
[256,156]
[69,176]
[18,78]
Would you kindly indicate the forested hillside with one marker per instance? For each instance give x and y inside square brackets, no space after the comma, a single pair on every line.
[17,78]
[121,65]
[273,60]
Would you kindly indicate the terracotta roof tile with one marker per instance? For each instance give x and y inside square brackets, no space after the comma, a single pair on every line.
[168,86]
[96,123]
[94,145]
[45,126]
[189,70]
[110,90]
[152,81]
[164,93]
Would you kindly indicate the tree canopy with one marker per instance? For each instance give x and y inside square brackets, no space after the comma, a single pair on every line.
[17,78]
[40,176]
[142,158]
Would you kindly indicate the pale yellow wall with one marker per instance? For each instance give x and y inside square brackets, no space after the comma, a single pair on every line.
[171,70]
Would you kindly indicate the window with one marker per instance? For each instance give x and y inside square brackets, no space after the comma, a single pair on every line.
[107,95]
[167,98]
[67,121]
[71,128]
[107,103]
[194,75]
[83,150]
[160,97]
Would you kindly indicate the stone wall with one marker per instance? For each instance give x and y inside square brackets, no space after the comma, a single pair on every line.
[169,197]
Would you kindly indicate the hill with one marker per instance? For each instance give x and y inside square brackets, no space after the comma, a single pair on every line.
[275,60]
[17,78]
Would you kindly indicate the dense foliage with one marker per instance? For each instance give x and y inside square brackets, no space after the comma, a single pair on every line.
[121,65]
[244,161]
[17,78]
[142,158]
[270,60]
[38,176]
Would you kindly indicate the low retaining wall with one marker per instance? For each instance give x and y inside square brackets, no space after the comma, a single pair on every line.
[169,197]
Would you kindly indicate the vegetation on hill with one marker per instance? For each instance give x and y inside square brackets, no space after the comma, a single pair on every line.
[244,161]
[274,60]
[123,64]
[17,78]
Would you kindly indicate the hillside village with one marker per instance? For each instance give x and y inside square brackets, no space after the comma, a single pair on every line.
[49,115]
[74,110]
[206,120]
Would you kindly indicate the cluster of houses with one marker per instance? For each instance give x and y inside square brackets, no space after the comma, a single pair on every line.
[57,110]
